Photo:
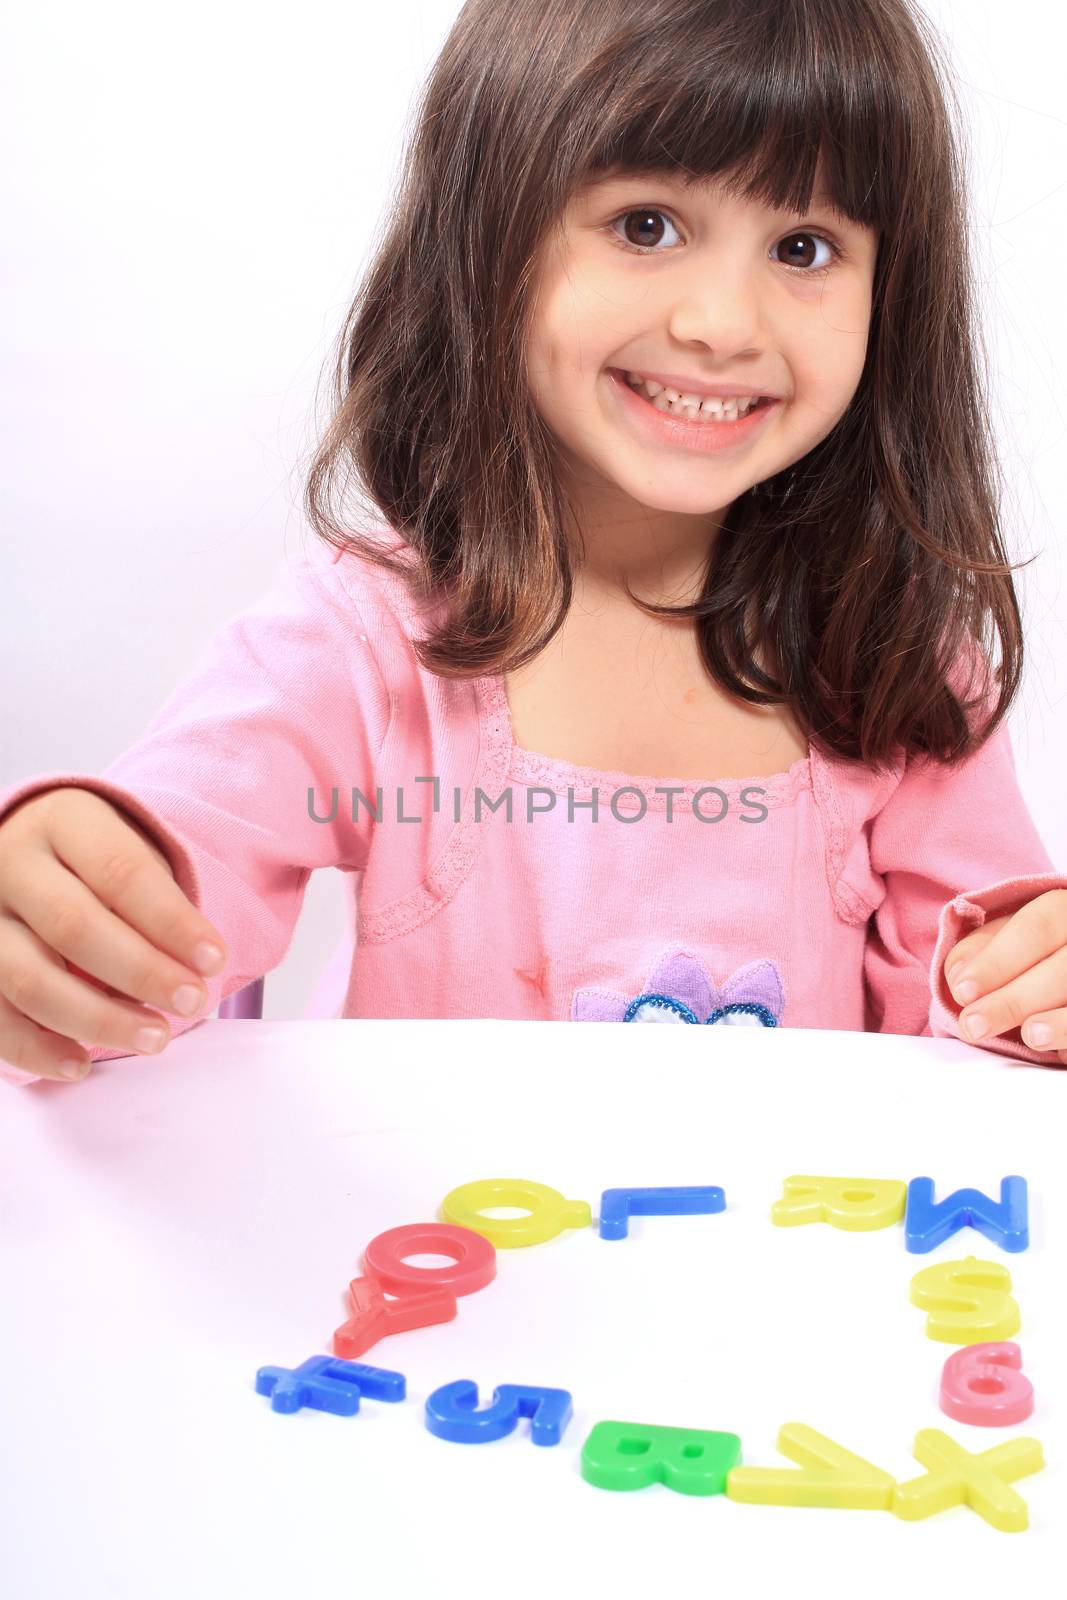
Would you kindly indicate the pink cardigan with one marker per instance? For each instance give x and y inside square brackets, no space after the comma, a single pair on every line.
[821,897]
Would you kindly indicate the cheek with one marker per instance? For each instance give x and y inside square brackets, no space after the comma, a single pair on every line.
[573,327]
[556,380]
[551,339]
[828,358]
[819,403]
[844,328]
[547,385]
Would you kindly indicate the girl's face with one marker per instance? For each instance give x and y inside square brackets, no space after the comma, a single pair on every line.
[713,289]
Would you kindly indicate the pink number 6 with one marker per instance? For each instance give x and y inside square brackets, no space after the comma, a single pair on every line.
[983,1384]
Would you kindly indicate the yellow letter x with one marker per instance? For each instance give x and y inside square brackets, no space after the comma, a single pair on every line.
[956,1477]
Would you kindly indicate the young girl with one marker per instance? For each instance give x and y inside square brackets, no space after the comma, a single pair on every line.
[657,685]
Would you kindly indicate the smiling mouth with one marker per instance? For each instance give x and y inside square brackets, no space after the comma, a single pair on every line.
[667,402]
[687,427]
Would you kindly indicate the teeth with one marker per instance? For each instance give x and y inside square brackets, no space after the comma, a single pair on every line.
[675,403]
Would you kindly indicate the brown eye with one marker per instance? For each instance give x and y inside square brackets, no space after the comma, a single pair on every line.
[799,252]
[639,225]
[641,228]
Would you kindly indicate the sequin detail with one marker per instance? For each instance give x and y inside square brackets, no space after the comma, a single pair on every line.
[680,988]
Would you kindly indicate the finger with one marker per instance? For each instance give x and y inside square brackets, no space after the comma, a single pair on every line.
[151,947]
[68,918]
[1035,931]
[35,983]
[964,952]
[1040,989]
[1046,1030]
[34,1049]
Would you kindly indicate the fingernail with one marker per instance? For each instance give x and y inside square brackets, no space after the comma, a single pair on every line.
[1038,1034]
[150,1039]
[967,990]
[72,1069]
[186,1000]
[976,1026]
[207,958]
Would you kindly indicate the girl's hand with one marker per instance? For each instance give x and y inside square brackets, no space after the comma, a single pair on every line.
[81,883]
[1018,966]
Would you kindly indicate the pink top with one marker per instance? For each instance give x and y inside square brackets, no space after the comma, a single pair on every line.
[821,897]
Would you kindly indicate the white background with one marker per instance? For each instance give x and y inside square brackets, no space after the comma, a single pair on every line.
[168,1227]
[189,197]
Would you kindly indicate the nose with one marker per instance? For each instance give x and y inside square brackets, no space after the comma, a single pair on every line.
[717,305]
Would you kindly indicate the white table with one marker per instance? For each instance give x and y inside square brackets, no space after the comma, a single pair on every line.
[173,1224]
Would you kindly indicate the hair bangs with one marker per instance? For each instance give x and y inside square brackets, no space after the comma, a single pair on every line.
[782,108]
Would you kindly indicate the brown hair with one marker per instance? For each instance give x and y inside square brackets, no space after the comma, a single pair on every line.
[869,569]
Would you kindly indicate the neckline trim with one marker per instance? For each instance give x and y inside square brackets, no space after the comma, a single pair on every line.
[530,766]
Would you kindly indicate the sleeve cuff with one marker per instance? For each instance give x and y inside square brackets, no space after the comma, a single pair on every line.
[961,916]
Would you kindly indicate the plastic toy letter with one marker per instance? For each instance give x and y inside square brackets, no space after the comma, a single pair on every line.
[617,1206]
[859,1204]
[451,1412]
[325,1384]
[984,1385]
[549,1212]
[955,1477]
[633,1455]
[828,1476]
[385,1258]
[927,1225]
[968,1301]
[376,1317]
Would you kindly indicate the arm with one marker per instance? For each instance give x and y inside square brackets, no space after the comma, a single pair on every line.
[952,847]
[288,697]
